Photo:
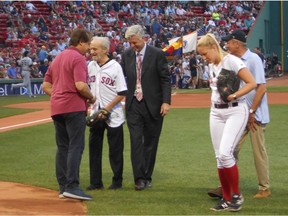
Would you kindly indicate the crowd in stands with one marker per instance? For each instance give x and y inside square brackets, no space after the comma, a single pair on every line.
[43,27]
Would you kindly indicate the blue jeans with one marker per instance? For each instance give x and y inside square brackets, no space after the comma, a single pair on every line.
[70,140]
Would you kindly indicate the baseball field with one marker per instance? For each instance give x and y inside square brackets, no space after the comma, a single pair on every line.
[185,167]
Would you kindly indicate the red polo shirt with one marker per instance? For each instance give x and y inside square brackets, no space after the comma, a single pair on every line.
[67,68]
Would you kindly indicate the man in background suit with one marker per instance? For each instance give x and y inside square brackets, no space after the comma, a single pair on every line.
[147,102]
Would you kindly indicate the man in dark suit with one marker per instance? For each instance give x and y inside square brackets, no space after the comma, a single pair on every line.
[147,102]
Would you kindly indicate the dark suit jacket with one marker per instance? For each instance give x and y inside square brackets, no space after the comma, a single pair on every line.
[155,80]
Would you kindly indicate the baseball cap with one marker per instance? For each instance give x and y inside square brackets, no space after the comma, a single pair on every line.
[237,35]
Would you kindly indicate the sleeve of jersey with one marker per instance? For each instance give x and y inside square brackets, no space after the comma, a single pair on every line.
[235,63]
[120,80]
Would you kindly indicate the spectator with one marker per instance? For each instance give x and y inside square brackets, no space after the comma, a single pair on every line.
[35,73]
[61,45]
[27,20]
[274,60]
[180,11]
[258,52]
[26,48]
[200,71]
[248,22]
[155,27]
[13,71]
[41,20]
[44,67]
[43,54]
[126,44]
[216,16]
[147,22]
[43,28]
[34,29]
[186,69]
[43,37]
[54,52]
[110,19]
[110,32]
[193,69]
[31,7]
[3,72]
[177,70]
[73,24]
[239,7]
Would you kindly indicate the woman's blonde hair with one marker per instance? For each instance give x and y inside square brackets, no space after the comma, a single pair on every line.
[209,40]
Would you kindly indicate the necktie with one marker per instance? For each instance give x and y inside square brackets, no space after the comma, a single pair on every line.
[138,92]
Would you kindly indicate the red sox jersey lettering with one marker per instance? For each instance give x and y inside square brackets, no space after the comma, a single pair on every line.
[107,81]
[92,79]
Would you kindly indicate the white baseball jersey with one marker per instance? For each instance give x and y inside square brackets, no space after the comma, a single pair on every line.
[25,63]
[229,62]
[105,82]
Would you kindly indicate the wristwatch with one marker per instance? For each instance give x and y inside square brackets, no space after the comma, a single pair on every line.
[251,111]
[234,96]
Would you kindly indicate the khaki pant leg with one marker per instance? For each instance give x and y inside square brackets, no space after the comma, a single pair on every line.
[260,156]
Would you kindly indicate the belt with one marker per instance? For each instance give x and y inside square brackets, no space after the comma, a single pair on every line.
[225,106]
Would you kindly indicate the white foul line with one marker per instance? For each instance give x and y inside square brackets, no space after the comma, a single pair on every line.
[26,123]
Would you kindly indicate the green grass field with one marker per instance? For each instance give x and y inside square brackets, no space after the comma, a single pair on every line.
[185,167]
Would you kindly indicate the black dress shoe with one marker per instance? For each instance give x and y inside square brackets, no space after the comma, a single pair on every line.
[140,185]
[115,187]
[93,187]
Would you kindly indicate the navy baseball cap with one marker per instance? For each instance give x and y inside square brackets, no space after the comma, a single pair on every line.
[237,35]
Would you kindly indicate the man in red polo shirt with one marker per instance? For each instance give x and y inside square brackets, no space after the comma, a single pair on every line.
[66,83]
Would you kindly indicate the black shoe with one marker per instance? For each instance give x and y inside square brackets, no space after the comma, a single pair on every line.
[222,206]
[115,187]
[93,187]
[76,193]
[139,185]
[236,203]
[216,192]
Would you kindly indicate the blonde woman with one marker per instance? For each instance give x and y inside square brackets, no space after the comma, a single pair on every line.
[227,120]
